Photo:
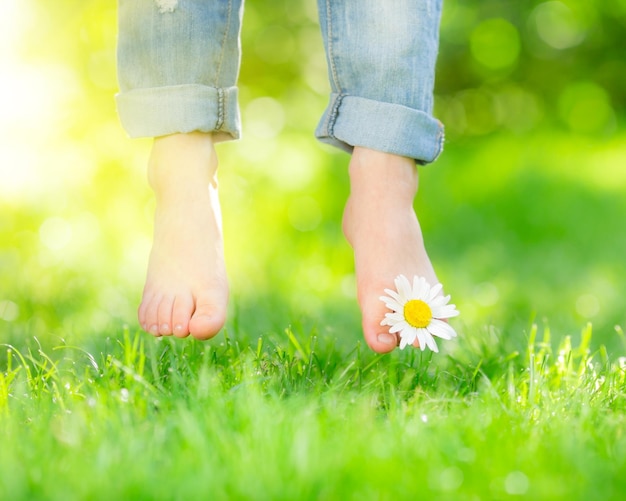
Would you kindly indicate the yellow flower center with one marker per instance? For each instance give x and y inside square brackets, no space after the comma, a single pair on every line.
[417,313]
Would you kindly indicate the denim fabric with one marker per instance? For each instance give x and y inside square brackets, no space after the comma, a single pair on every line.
[381,63]
[178,66]
[178,62]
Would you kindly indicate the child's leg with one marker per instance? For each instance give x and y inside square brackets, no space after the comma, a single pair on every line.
[381,225]
[186,288]
[178,65]
[381,58]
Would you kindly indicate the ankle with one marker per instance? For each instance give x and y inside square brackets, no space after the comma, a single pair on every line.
[375,175]
[182,160]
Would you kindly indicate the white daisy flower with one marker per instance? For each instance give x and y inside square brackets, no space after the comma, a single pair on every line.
[418,312]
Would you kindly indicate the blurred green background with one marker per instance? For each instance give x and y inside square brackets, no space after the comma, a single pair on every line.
[524,213]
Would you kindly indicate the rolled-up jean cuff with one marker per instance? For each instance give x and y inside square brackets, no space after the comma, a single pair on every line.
[351,121]
[160,111]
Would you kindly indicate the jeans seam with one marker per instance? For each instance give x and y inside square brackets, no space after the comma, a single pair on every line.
[224,40]
[331,57]
[332,119]
[220,109]
[441,137]
[220,92]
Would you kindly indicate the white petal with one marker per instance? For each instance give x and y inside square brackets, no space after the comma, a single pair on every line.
[441,329]
[394,295]
[389,319]
[444,312]
[408,335]
[417,285]
[440,307]
[438,302]
[432,344]
[447,311]
[434,291]
[420,288]
[403,286]
[453,306]
[392,304]
[421,337]
[403,343]
[398,327]
[393,318]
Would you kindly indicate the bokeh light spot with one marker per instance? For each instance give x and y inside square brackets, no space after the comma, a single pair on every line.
[587,305]
[348,286]
[318,277]
[557,25]
[87,228]
[486,294]
[585,107]
[516,483]
[9,310]
[450,479]
[17,170]
[495,43]
[55,233]
[293,166]
[264,117]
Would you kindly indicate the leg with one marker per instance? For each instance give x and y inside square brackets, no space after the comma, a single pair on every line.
[381,59]
[381,225]
[178,64]
[186,290]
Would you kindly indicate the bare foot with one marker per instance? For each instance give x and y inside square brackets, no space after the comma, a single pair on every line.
[186,289]
[381,225]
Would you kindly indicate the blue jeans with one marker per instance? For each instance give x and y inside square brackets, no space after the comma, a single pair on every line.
[178,63]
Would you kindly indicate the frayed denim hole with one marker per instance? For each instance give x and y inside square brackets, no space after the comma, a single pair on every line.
[166,6]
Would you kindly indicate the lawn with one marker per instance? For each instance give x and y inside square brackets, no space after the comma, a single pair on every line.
[292,416]
[523,216]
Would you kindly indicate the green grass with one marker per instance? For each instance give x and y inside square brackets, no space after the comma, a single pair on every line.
[293,416]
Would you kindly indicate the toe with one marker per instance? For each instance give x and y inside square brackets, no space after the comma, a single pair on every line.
[207,320]
[379,340]
[182,311]
[151,320]
[164,316]
[142,314]
[377,336]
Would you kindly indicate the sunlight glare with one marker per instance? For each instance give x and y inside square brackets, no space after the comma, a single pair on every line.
[264,117]
[14,21]
[55,233]
[34,102]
